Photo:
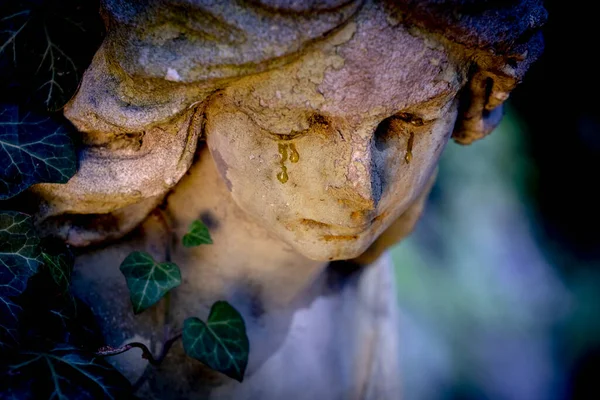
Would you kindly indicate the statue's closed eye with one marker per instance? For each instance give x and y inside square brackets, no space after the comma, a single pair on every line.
[313,122]
[316,122]
[410,118]
[403,126]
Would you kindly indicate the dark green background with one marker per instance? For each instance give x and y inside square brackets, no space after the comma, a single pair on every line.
[500,284]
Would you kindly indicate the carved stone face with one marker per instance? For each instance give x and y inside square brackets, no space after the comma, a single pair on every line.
[325,125]
[328,151]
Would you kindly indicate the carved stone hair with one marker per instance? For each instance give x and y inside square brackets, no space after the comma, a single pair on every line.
[161,60]
[501,37]
[163,52]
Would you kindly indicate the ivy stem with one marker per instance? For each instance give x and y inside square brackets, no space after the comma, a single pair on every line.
[167,339]
[167,316]
[108,351]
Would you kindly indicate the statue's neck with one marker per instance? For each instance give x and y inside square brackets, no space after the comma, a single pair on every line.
[245,259]
[301,318]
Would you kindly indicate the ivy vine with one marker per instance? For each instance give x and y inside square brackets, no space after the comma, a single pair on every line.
[48,338]
[221,342]
[50,344]
[45,45]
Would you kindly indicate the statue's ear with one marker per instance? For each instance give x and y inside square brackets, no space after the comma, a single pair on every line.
[499,39]
[481,105]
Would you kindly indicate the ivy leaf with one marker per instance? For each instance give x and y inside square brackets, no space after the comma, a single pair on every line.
[60,267]
[221,342]
[45,45]
[19,252]
[197,235]
[51,316]
[33,149]
[62,373]
[147,280]
[19,260]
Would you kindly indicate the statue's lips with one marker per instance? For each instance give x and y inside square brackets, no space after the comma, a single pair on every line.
[335,230]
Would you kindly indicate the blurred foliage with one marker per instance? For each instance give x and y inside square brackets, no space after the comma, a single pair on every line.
[500,284]
[486,312]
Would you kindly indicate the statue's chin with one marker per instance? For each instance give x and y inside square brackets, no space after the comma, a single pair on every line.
[333,247]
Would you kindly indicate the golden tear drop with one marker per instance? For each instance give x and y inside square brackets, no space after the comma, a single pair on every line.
[294,156]
[283,152]
[283,176]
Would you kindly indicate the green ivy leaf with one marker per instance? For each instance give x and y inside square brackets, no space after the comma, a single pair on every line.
[19,252]
[60,267]
[197,235]
[147,280]
[51,316]
[221,342]
[33,149]
[45,45]
[19,260]
[62,373]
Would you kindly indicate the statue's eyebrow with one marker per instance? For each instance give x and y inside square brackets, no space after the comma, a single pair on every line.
[430,109]
[278,136]
[411,118]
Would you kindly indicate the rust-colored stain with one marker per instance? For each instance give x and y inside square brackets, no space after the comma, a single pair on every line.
[311,223]
[381,216]
[358,215]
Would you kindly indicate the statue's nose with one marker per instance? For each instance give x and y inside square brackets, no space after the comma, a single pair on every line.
[365,174]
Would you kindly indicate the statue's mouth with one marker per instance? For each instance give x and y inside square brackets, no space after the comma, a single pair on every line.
[332,238]
[338,230]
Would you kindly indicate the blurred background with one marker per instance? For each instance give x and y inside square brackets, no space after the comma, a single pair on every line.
[500,283]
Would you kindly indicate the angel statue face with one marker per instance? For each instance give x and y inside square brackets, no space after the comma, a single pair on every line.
[325,120]
[329,150]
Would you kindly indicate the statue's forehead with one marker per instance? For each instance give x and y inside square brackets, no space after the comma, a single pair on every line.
[357,83]
[388,67]
[374,70]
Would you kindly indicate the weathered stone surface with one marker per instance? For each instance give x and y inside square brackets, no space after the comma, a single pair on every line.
[121,178]
[323,124]
[141,104]
[352,178]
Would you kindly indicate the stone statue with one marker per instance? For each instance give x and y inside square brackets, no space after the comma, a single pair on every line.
[302,133]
